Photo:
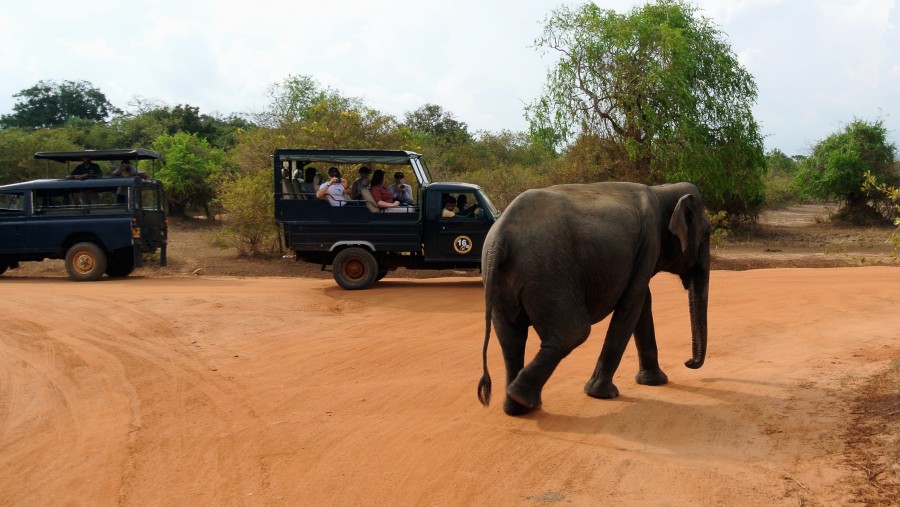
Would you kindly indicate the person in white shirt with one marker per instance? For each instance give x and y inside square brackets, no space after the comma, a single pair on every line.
[335,189]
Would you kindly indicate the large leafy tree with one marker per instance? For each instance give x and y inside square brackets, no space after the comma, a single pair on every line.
[52,104]
[434,130]
[433,120]
[838,164]
[191,171]
[17,149]
[662,83]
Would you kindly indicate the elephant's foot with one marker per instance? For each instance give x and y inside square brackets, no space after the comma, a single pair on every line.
[512,407]
[651,377]
[521,400]
[597,388]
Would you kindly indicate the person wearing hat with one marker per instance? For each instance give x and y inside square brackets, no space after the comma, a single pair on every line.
[360,183]
[401,191]
[335,189]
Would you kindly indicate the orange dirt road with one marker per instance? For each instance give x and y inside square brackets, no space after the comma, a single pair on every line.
[280,391]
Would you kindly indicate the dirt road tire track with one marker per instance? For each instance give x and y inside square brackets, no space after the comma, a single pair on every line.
[282,391]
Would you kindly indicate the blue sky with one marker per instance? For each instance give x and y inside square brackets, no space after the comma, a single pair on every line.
[817,64]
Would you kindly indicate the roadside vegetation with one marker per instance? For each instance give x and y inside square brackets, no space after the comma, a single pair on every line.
[651,95]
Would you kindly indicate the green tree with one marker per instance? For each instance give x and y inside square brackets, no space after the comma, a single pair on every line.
[663,84]
[293,101]
[52,104]
[780,187]
[151,119]
[838,164]
[251,226]
[190,173]
[17,149]
[433,120]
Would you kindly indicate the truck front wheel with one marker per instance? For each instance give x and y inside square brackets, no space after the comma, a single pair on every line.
[85,262]
[355,268]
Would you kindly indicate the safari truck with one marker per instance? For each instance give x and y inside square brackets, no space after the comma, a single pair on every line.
[362,242]
[97,224]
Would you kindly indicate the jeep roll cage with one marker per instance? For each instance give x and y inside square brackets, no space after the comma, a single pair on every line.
[115,154]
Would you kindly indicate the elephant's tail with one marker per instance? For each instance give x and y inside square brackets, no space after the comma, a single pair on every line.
[484,385]
[493,255]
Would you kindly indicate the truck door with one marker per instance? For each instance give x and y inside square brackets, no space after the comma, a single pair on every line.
[149,209]
[12,220]
[457,238]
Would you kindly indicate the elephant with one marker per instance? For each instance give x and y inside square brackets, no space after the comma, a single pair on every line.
[565,257]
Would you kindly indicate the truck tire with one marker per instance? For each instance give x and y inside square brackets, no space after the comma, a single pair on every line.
[3,267]
[121,263]
[354,268]
[85,262]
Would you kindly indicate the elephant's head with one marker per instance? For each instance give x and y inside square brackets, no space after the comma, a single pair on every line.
[685,252]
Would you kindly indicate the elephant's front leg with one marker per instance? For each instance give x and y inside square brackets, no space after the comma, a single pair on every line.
[650,373]
[621,327]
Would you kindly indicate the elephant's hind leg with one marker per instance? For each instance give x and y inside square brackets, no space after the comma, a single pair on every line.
[512,338]
[559,336]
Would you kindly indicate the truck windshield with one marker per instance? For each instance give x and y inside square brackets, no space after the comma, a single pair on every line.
[489,207]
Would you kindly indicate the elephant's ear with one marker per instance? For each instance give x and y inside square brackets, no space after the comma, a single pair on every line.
[678,222]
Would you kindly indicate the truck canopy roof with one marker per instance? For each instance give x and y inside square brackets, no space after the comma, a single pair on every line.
[301,157]
[390,157]
[66,184]
[118,154]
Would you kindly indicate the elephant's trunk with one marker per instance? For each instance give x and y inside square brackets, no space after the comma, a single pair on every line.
[698,298]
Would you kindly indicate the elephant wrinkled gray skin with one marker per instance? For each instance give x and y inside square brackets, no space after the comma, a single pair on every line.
[565,257]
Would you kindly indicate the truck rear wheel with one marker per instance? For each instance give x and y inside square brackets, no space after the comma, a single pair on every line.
[355,268]
[121,263]
[85,262]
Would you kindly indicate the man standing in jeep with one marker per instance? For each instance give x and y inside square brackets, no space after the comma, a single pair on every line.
[86,170]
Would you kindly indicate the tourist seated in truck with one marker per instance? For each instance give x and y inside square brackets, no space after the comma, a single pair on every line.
[361,182]
[462,209]
[401,191]
[449,202]
[380,192]
[335,189]
[311,180]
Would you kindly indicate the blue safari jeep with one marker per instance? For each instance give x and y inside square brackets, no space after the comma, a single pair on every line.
[98,225]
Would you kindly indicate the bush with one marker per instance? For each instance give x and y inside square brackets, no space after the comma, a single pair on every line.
[250,224]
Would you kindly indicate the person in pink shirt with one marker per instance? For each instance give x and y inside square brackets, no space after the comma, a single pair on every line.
[382,195]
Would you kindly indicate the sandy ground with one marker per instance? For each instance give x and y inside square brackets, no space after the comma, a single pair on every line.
[285,391]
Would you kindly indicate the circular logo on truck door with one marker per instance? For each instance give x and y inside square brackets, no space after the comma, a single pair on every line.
[462,244]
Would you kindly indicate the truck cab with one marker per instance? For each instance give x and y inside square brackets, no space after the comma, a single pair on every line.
[362,242]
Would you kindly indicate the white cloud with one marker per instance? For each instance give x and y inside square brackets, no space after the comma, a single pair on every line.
[817,63]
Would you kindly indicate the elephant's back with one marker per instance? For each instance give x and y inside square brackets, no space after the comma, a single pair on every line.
[585,210]
[566,226]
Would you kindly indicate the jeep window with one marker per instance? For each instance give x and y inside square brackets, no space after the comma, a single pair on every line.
[150,199]
[66,201]
[12,202]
